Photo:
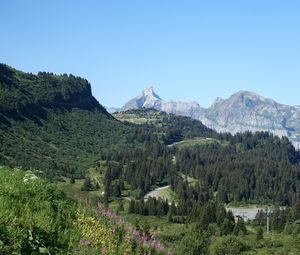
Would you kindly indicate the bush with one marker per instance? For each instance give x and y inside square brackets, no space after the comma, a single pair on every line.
[259,234]
[194,244]
[290,229]
[229,245]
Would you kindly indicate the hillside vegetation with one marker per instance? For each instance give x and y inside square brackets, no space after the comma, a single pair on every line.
[169,128]
[36,217]
[52,122]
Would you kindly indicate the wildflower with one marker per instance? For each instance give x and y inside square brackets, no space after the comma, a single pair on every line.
[104,250]
[145,239]
[84,242]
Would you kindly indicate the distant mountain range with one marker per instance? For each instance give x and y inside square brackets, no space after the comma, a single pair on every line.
[243,111]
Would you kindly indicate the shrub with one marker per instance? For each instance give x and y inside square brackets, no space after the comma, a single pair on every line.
[229,245]
[260,234]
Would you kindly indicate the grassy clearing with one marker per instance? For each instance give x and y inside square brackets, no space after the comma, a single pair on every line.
[151,117]
[167,194]
[164,193]
[198,141]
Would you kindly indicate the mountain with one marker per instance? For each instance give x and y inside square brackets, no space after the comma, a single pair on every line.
[149,99]
[243,111]
[53,123]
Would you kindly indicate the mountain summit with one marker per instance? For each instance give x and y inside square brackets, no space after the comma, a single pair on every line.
[248,111]
[147,99]
[149,92]
[243,111]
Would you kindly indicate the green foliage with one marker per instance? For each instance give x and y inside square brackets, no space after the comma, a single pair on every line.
[87,185]
[229,245]
[53,123]
[194,243]
[264,168]
[168,127]
[35,216]
[240,228]
[259,234]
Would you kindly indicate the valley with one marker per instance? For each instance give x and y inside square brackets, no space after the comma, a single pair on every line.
[75,179]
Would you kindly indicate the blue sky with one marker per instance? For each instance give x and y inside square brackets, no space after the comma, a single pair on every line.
[187,50]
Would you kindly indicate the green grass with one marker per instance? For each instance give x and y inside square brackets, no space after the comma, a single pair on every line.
[151,117]
[35,215]
[198,141]
[192,181]
[167,194]
[275,243]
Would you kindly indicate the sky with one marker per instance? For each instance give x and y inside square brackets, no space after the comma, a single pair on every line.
[187,50]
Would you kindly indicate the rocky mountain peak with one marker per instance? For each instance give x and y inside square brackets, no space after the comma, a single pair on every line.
[244,95]
[217,101]
[149,92]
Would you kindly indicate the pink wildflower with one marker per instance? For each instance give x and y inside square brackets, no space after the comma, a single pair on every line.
[145,239]
[104,250]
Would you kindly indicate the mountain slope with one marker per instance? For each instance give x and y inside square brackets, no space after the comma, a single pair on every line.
[147,99]
[171,127]
[53,123]
[243,111]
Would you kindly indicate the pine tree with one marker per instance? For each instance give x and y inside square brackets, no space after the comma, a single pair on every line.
[170,216]
[117,190]
[87,185]
[120,206]
[240,228]
[259,234]
[131,206]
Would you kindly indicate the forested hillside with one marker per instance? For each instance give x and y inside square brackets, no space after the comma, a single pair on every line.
[53,123]
[169,128]
[257,167]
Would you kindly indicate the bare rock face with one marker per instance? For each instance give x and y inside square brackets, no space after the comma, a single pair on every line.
[191,109]
[247,111]
[147,99]
[243,111]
